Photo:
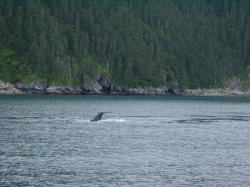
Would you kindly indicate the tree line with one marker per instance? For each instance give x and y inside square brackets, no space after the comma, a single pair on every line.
[136,43]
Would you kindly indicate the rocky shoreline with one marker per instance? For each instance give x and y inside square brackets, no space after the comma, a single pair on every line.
[37,88]
[105,87]
[217,92]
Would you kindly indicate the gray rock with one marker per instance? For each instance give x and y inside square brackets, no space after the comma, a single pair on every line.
[33,85]
[7,88]
[234,83]
[96,88]
[54,90]
[106,84]
[32,88]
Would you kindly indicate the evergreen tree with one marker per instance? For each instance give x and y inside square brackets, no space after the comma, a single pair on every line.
[183,43]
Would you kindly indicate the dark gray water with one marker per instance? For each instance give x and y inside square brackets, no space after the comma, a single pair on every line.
[145,141]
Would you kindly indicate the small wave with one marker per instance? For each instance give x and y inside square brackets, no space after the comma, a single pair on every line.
[22,117]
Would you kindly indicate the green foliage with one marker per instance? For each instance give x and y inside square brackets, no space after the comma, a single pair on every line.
[8,65]
[184,43]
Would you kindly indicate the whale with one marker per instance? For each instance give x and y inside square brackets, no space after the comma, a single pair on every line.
[98,117]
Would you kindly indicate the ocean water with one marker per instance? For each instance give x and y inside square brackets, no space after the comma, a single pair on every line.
[145,141]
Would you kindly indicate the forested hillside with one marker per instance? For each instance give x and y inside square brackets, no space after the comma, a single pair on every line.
[136,43]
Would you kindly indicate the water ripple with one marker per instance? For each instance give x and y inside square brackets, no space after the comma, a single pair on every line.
[50,141]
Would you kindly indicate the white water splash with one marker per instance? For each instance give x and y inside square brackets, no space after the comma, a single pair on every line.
[114,120]
[101,121]
[83,120]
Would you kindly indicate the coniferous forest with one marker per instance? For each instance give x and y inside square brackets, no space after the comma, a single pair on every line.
[136,43]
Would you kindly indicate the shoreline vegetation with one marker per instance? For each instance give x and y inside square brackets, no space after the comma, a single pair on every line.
[141,47]
[38,88]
